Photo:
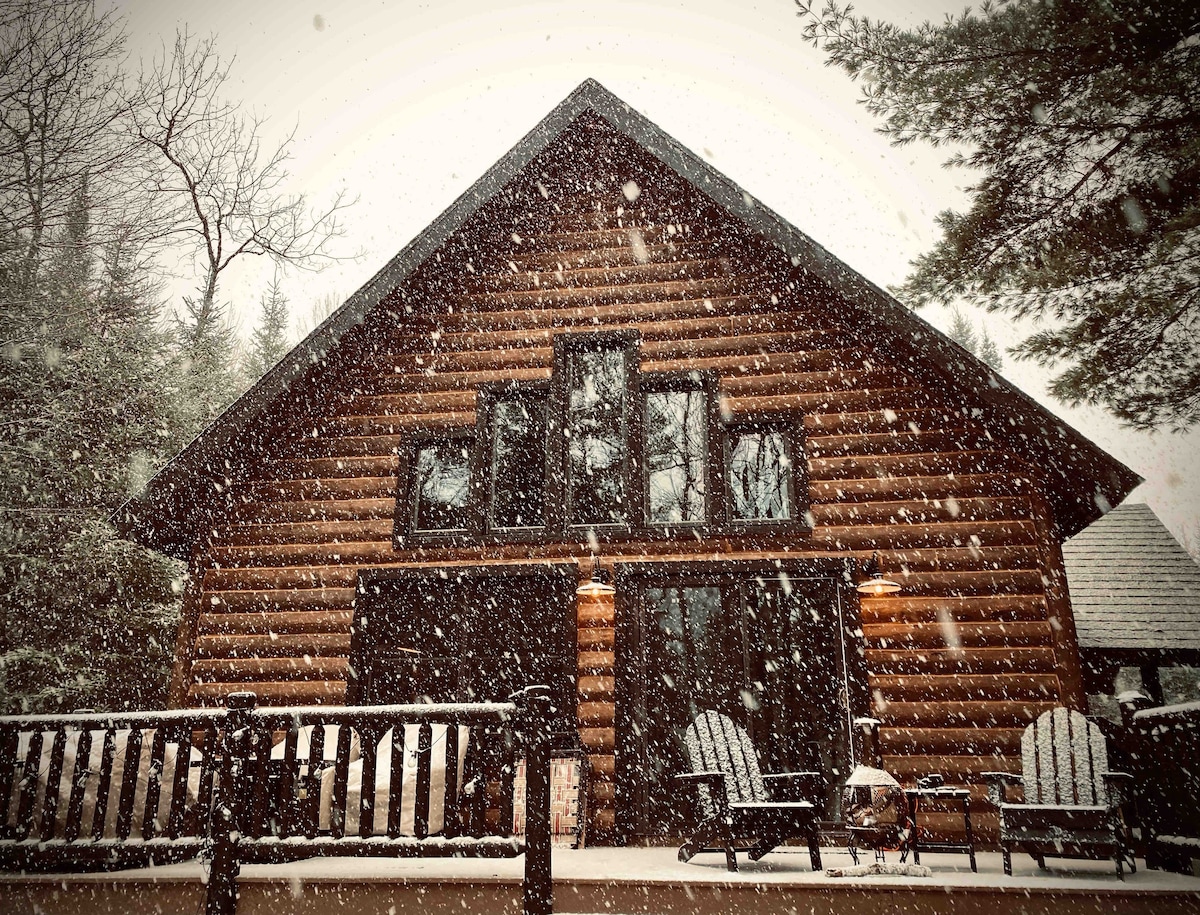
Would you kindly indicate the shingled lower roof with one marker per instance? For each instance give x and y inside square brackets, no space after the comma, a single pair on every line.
[171,512]
[1133,587]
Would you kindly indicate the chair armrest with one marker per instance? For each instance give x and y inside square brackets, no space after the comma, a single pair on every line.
[998,784]
[801,786]
[715,781]
[1119,786]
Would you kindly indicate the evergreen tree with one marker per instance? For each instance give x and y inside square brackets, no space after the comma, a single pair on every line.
[962,333]
[1082,120]
[988,351]
[86,619]
[269,342]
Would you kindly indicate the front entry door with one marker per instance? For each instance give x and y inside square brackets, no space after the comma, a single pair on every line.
[771,650]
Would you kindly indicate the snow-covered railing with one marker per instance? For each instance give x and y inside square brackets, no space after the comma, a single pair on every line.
[244,784]
[98,791]
[1165,742]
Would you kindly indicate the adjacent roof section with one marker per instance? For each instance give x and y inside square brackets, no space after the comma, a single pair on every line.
[171,513]
[1133,587]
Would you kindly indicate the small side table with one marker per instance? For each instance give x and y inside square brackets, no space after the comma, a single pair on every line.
[939,795]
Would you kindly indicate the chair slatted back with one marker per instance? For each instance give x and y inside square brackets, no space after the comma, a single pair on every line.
[1063,758]
[715,744]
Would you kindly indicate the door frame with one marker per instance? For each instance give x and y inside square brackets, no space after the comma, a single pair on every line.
[632,577]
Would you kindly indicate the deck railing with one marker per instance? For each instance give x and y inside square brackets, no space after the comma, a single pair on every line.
[1165,745]
[246,784]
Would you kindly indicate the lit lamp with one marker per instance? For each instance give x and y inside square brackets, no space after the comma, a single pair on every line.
[598,584]
[873,583]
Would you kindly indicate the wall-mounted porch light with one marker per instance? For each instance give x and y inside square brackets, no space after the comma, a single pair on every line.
[873,582]
[598,584]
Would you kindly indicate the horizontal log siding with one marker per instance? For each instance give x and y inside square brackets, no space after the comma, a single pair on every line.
[958,662]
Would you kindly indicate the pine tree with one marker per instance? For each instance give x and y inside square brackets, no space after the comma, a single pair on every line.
[1081,119]
[962,333]
[269,342]
[988,351]
[86,619]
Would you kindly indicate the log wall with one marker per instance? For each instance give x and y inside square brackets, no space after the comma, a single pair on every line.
[978,643]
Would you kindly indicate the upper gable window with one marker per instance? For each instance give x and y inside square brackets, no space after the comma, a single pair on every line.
[604,450]
[441,486]
[761,485]
[516,438]
[675,453]
[596,381]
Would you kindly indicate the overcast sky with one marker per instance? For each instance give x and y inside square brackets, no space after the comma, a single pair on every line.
[405,104]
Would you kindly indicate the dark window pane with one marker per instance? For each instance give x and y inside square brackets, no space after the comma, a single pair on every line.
[692,664]
[443,486]
[676,452]
[596,436]
[518,468]
[759,476]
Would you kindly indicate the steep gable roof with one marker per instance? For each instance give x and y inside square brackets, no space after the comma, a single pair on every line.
[1133,587]
[169,514]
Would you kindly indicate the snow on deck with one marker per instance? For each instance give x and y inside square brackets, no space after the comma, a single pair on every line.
[659,867]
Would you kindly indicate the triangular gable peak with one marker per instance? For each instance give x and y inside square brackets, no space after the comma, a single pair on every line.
[594,148]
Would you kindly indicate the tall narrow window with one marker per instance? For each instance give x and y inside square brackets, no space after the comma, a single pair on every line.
[676,424]
[597,440]
[760,475]
[518,463]
[441,486]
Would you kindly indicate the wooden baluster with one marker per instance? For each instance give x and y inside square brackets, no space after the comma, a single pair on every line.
[310,808]
[368,739]
[451,826]
[129,777]
[108,755]
[289,814]
[424,777]
[79,780]
[396,781]
[29,784]
[158,756]
[54,773]
[341,781]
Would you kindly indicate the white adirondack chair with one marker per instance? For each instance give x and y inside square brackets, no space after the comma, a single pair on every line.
[734,806]
[1072,802]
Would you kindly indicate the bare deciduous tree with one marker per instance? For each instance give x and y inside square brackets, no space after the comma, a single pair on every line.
[220,190]
[58,102]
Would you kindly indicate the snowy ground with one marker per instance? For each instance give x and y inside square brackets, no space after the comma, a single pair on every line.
[651,866]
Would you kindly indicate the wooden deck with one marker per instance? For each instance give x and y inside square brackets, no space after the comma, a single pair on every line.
[628,880]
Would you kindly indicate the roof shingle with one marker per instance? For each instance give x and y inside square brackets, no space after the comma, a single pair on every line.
[1133,587]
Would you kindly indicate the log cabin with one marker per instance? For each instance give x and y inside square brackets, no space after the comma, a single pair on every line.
[606,360]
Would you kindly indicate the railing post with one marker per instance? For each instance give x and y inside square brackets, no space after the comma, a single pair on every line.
[229,807]
[1146,800]
[533,705]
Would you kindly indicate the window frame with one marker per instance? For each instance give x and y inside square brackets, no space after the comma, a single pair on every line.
[404,531]
[486,400]
[707,383]
[792,431]
[720,433]
[566,345]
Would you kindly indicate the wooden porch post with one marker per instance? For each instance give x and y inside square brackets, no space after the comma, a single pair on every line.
[534,705]
[221,896]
